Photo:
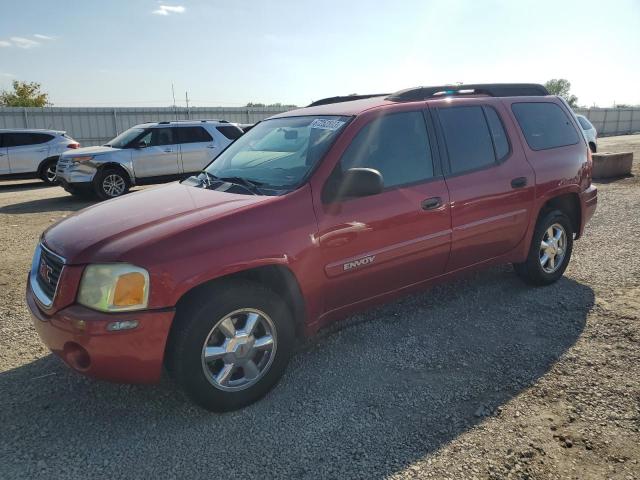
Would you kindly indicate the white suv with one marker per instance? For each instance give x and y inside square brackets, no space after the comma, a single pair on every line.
[146,153]
[31,153]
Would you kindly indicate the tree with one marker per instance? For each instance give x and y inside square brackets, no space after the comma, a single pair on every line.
[562,88]
[24,94]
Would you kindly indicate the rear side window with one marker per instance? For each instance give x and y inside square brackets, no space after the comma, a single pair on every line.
[545,125]
[396,145]
[499,136]
[230,131]
[193,135]
[469,142]
[20,139]
[584,123]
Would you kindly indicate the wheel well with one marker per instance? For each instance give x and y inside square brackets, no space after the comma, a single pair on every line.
[44,162]
[592,146]
[117,166]
[569,204]
[277,278]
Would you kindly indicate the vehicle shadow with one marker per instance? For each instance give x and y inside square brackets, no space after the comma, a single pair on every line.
[68,203]
[366,399]
[12,186]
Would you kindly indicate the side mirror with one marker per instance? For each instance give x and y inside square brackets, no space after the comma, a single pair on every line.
[355,182]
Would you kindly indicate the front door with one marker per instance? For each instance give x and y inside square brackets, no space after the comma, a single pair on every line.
[380,243]
[490,182]
[157,154]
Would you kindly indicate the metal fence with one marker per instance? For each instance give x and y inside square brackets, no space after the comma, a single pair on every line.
[613,121]
[95,126]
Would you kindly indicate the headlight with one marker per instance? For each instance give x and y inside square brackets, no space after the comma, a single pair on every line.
[114,287]
[82,158]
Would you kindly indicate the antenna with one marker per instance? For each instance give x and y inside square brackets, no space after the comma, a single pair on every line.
[173,93]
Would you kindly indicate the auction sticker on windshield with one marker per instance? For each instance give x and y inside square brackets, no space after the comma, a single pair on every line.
[326,124]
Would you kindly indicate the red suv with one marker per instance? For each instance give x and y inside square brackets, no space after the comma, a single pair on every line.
[311,215]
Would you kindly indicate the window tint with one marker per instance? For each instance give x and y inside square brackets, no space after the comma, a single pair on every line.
[193,135]
[230,131]
[544,125]
[500,141]
[396,145]
[467,136]
[157,137]
[18,139]
[584,123]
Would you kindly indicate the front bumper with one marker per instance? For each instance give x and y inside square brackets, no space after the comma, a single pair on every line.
[80,337]
[71,172]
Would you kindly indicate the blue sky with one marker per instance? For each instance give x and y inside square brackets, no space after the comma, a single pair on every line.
[227,52]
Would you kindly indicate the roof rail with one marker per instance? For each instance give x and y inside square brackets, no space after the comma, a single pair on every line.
[491,89]
[346,98]
[167,122]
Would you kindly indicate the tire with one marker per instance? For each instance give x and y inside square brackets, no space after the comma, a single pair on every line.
[203,324]
[593,147]
[111,183]
[532,270]
[48,172]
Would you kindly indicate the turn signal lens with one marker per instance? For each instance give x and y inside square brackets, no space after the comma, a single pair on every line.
[130,289]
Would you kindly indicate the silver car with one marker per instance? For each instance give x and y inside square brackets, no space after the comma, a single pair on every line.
[589,132]
[146,153]
[32,153]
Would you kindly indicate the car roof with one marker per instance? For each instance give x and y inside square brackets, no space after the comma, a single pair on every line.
[186,123]
[31,130]
[343,106]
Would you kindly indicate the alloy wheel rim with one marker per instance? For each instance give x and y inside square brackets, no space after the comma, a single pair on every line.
[553,248]
[239,349]
[50,173]
[113,185]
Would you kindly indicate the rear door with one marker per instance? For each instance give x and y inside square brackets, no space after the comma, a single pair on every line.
[26,150]
[158,156]
[197,148]
[492,186]
[4,157]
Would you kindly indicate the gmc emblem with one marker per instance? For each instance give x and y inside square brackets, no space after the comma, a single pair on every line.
[45,270]
[361,262]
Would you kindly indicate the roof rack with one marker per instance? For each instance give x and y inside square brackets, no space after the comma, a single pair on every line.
[346,98]
[167,122]
[491,89]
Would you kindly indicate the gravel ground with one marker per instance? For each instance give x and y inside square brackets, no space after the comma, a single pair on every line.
[482,378]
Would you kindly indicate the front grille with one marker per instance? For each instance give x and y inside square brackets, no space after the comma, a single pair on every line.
[48,272]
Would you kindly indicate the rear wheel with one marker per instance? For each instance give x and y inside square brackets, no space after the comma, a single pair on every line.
[230,347]
[48,172]
[111,183]
[550,250]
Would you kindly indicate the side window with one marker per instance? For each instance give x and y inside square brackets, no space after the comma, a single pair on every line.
[545,125]
[499,136]
[467,137]
[396,145]
[18,139]
[193,135]
[230,131]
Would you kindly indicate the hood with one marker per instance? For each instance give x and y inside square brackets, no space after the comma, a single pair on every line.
[89,151]
[108,231]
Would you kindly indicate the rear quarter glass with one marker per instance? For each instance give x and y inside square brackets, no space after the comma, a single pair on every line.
[545,125]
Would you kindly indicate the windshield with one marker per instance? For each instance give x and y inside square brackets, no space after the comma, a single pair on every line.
[278,153]
[124,138]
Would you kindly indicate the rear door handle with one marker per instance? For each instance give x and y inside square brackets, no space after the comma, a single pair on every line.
[168,150]
[519,182]
[211,146]
[431,203]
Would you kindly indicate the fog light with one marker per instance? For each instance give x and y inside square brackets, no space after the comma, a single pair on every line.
[124,325]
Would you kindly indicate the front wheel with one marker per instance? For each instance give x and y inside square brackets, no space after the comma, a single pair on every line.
[230,347]
[48,172]
[111,183]
[550,250]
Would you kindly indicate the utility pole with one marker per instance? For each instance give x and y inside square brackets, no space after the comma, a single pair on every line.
[173,93]
[186,99]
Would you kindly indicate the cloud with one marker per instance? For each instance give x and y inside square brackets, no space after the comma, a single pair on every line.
[169,9]
[4,43]
[43,37]
[22,42]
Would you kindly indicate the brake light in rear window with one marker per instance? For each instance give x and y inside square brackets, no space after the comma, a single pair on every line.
[73,145]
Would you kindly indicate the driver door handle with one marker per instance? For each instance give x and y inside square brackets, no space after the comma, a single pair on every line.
[168,150]
[431,203]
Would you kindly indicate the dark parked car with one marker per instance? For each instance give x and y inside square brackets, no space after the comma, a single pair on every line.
[311,215]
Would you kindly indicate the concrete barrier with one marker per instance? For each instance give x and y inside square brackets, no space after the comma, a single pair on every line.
[609,165]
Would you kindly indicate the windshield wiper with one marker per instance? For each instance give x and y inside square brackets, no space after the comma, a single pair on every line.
[251,185]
